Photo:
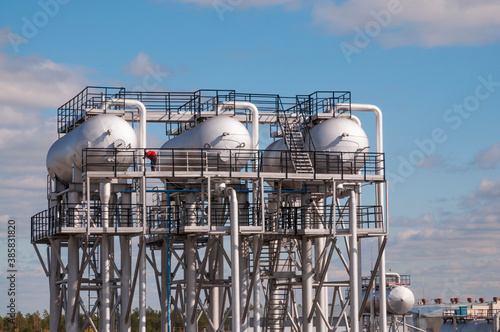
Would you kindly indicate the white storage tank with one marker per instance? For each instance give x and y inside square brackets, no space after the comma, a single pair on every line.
[343,142]
[224,140]
[277,159]
[102,131]
[400,300]
[338,145]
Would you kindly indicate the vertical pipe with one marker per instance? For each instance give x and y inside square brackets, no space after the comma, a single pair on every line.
[256,289]
[55,288]
[126,276]
[307,284]
[142,284]
[190,276]
[235,264]
[126,262]
[353,261]
[72,301]
[320,263]
[73,262]
[245,277]
[382,290]
[244,256]
[105,300]
[164,286]
[213,274]
[105,196]
[190,209]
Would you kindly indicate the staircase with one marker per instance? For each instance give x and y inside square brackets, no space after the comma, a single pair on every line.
[277,307]
[295,142]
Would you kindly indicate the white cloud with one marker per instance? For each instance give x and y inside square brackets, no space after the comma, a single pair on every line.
[142,65]
[33,82]
[28,86]
[489,157]
[447,248]
[233,4]
[427,23]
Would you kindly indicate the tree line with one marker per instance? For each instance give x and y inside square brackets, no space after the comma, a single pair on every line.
[37,322]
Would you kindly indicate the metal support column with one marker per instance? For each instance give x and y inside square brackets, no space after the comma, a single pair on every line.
[126,272]
[190,276]
[307,284]
[164,286]
[54,286]
[72,300]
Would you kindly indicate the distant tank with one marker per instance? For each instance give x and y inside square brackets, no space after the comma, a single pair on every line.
[469,326]
[103,131]
[400,300]
[224,140]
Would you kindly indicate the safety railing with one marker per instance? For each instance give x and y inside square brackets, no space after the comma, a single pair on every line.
[175,216]
[309,217]
[199,161]
[51,222]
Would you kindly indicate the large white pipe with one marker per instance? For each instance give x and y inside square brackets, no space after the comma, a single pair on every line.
[142,145]
[378,120]
[105,301]
[164,287]
[256,290]
[380,198]
[353,261]
[235,261]
[142,115]
[54,286]
[243,105]
[73,262]
[126,265]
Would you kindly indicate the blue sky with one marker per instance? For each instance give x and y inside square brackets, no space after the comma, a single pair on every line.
[430,65]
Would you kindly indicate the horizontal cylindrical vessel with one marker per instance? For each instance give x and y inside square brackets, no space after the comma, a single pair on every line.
[400,300]
[215,144]
[103,131]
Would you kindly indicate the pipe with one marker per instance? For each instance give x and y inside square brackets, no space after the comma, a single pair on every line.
[126,273]
[243,105]
[142,118]
[190,276]
[256,290]
[353,261]
[379,198]
[142,145]
[348,116]
[378,119]
[54,287]
[235,256]
[394,274]
[235,263]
